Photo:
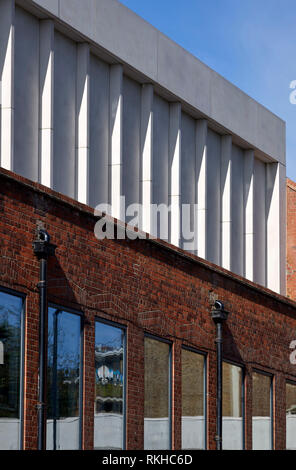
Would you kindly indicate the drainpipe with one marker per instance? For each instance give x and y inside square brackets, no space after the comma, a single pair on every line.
[42,249]
[219,315]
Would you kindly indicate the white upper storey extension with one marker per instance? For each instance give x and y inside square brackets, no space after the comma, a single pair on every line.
[97,104]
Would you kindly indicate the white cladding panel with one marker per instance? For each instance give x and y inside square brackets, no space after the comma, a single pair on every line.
[188,172]
[131,142]
[213,225]
[99,131]
[65,56]
[260,222]
[26,95]
[64,109]
[237,235]
[160,165]
[160,151]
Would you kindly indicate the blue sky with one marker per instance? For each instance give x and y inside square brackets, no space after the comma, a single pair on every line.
[252,43]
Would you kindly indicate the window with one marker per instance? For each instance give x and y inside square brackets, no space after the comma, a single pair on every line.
[232,423]
[262,411]
[291,416]
[157,409]
[109,412]
[64,386]
[193,400]
[11,360]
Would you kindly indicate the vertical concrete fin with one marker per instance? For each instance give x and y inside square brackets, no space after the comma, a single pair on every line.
[46,100]
[249,214]
[82,102]
[275,204]
[115,156]
[175,173]
[7,36]
[283,227]
[146,157]
[201,187]
[226,201]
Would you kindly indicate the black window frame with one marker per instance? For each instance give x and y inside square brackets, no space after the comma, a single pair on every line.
[122,327]
[80,314]
[205,389]
[290,382]
[23,296]
[272,377]
[170,379]
[243,404]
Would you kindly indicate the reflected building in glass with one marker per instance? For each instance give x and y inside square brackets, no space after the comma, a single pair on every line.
[11,334]
[109,387]
[64,380]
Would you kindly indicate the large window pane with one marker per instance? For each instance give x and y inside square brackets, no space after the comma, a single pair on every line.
[291,416]
[193,400]
[11,308]
[64,368]
[110,381]
[262,417]
[232,407]
[157,395]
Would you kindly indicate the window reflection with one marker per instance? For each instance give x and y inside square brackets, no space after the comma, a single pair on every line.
[193,400]
[291,416]
[64,358]
[232,407]
[109,380]
[11,308]
[261,402]
[157,407]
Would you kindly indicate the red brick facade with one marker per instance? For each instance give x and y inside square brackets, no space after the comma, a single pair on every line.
[291,239]
[149,286]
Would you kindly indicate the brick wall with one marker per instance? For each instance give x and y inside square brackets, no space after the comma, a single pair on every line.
[149,287]
[291,239]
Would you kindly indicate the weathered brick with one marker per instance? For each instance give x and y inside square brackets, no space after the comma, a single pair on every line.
[148,287]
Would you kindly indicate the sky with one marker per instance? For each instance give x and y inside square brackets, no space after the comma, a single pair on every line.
[252,43]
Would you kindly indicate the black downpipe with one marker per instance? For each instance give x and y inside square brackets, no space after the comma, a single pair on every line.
[42,249]
[219,315]
[54,379]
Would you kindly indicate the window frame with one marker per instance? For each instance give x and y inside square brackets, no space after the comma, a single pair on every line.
[290,382]
[80,314]
[22,296]
[122,327]
[205,388]
[170,377]
[243,390]
[272,377]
